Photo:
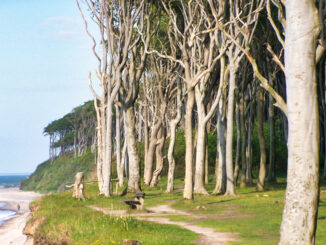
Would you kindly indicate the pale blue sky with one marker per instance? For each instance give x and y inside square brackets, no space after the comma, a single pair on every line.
[45,58]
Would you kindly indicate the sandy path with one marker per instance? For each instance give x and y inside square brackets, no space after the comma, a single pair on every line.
[12,231]
[208,236]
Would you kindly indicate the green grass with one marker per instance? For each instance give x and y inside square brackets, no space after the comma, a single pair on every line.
[255,217]
[51,176]
[73,222]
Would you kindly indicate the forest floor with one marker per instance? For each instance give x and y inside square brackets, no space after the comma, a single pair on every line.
[248,218]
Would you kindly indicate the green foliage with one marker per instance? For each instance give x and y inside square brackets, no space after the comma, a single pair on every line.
[77,127]
[51,176]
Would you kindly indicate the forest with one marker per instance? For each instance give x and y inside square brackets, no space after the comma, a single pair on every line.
[240,84]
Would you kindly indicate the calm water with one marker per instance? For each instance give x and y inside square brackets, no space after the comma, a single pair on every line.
[9,181]
[5,214]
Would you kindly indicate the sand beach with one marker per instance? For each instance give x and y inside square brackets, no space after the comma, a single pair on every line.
[11,232]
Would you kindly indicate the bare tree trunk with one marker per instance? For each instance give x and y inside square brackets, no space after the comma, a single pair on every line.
[237,155]
[188,190]
[148,169]
[134,168]
[260,116]
[145,123]
[302,191]
[243,181]
[206,160]
[118,147]
[249,145]
[220,186]
[199,187]
[100,149]
[230,187]
[271,170]
[107,164]
[173,125]
[124,159]
[159,158]
[79,186]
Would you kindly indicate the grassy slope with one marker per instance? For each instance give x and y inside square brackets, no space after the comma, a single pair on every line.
[254,216]
[51,176]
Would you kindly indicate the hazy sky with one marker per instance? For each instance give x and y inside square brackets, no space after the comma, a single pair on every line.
[45,58]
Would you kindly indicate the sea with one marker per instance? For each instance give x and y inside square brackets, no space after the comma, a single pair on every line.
[7,181]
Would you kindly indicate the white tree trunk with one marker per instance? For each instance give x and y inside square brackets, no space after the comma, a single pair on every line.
[188,190]
[199,187]
[107,163]
[230,187]
[170,185]
[220,186]
[271,168]
[134,168]
[301,199]
[159,158]
[173,126]
[262,165]
[148,168]
[118,147]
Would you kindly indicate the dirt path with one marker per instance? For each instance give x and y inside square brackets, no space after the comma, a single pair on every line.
[208,236]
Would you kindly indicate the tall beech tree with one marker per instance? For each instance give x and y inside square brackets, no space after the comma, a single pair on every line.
[302,191]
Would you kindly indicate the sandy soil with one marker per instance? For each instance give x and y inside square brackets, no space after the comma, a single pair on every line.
[12,231]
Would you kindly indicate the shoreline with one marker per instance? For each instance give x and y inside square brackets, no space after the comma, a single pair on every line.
[11,232]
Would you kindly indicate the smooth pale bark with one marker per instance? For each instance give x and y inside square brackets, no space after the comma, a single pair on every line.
[302,191]
[230,186]
[243,181]
[260,117]
[159,158]
[206,160]
[188,189]
[107,164]
[124,159]
[148,168]
[79,186]
[120,166]
[220,173]
[237,154]
[271,168]
[134,162]
[249,145]
[199,187]
[145,122]
[99,162]
[173,125]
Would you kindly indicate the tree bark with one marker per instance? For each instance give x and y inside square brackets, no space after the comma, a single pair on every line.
[237,154]
[159,158]
[230,187]
[134,163]
[206,159]
[220,186]
[199,187]
[249,145]
[271,169]
[120,164]
[260,116]
[302,191]
[173,125]
[148,169]
[188,189]
[243,181]
[79,186]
